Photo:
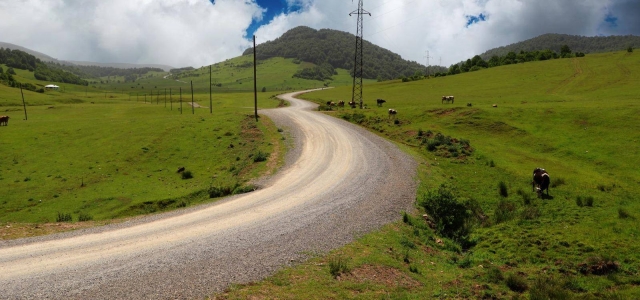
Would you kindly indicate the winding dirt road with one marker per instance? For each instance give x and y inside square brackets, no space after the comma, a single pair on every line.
[339,182]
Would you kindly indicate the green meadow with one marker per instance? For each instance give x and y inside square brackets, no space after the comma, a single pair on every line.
[577,118]
[95,154]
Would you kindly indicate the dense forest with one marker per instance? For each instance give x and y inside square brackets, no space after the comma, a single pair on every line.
[21,60]
[335,48]
[554,42]
[130,74]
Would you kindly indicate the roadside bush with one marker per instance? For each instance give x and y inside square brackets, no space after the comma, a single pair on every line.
[338,265]
[62,217]
[502,189]
[186,175]
[451,216]
[260,156]
[83,217]
[220,191]
[244,189]
[516,283]
[504,211]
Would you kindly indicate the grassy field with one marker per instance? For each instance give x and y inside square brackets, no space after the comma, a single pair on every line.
[577,118]
[100,156]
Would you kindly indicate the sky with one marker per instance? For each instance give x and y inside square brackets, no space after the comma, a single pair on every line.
[196,33]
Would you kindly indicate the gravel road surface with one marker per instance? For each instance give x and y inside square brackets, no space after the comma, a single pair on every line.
[339,182]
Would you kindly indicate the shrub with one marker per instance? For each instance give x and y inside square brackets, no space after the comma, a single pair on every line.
[548,288]
[337,266]
[450,215]
[414,269]
[504,211]
[186,175]
[494,275]
[516,283]
[530,213]
[62,217]
[630,49]
[588,201]
[83,217]
[244,189]
[623,214]
[220,191]
[260,156]
[502,188]
[492,164]
[579,201]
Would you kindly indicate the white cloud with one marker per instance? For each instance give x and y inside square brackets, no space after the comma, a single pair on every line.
[196,32]
[173,32]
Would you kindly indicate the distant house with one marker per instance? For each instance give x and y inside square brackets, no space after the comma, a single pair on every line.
[51,87]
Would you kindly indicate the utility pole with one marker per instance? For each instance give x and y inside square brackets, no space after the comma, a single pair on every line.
[210,99]
[356,95]
[427,57]
[255,84]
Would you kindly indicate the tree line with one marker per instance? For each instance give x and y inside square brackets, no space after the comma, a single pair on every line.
[130,74]
[335,48]
[24,61]
[478,63]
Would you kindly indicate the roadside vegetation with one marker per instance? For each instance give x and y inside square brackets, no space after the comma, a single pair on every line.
[478,230]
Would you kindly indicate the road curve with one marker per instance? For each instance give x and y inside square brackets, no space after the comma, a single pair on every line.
[340,181]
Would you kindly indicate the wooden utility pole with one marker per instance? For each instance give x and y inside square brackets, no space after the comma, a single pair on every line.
[180,100]
[210,99]
[170,99]
[255,84]
[165,97]
[24,104]
[193,109]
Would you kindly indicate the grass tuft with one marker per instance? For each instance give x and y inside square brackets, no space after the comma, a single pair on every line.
[502,189]
[516,283]
[186,175]
[62,217]
[337,266]
[83,217]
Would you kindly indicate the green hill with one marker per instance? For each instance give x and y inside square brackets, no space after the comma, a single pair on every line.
[553,42]
[576,117]
[336,48]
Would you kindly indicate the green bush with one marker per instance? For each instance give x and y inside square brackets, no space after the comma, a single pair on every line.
[186,175]
[260,156]
[62,217]
[579,201]
[494,275]
[337,266]
[502,189]
[516,283]
[244,189]
[623,214]
[547,288]
[83,217]
[452,218]
[220,191]
[588,201]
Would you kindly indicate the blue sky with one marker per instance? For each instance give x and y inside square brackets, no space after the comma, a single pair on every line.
[273,8]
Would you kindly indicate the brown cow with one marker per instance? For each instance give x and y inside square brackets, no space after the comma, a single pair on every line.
[380,101]
[340,103]
[4,120]
[352,104]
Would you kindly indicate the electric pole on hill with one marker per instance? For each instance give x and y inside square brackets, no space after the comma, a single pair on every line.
[356,96]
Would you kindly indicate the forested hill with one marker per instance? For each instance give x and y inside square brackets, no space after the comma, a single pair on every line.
[336,48]
[577,43]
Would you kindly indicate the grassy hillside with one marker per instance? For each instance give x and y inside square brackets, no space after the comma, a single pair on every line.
[574,117]
[105,153]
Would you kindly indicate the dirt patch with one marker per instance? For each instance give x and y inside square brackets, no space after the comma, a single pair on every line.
[12,231]
[382,275]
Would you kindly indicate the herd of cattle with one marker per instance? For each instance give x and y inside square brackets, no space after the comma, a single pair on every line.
[4,120]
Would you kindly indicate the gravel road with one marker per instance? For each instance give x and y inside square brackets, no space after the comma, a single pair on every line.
[339,182]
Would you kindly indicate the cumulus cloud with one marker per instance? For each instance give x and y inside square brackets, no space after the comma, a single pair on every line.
[200,32]
[173,32]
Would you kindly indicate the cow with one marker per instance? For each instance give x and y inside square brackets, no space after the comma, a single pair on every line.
[541,181]
[447,99]
[340,103]
[380,101]
[392,113]
[4,120]
[352,104]
[330,104]
[180,169]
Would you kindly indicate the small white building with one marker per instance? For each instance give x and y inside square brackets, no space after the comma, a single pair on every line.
[51,87]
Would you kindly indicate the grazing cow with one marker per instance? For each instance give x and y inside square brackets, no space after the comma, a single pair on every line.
[392,113]
[469,104]
[330,104]
[495,105]
[447,99]
[180,169]
[340,103]
[541,181]
[352,104]
[380,101]
[4,120]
